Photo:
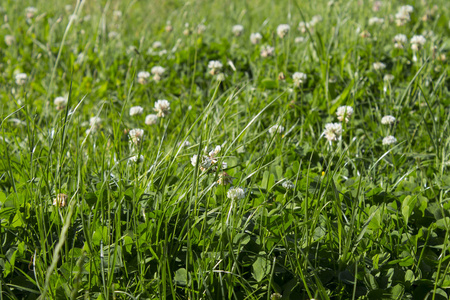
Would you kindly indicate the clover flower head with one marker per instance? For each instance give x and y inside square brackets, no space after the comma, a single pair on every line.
[283,30]
[388,77]
[162,107]
[388,120]
[21,78]
[375,20]
[136,110]
[276,129]
[136,135]
[151,119]
[9,40]
[237,30]
[214,67]
[287,184]
[333,131]
[255,38]
[236,193]
[344,113]
[389,140]
[379,66]
[267,51]
[60,102]
[143,77]
[299,78]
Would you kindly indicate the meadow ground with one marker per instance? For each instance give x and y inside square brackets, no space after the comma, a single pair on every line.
[224,149]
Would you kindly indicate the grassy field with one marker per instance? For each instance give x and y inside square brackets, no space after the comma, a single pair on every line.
[224,149]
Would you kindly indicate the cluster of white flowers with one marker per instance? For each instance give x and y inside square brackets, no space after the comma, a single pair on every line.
[299,78]
[208,163]
[299,39]
[9,40]
[30,12]
[136,135]
[236,193]
[267,51]
[117,14]
[303,27]
[333,131]
[255,38]
[388,120]
[388,77]
[287,184]
[375,20]
[283,30]
[214,67]
[151,119]
[136,159]
[157,72]
[136,110]
[60,102]
[389,140]
[237,30]
[162,107]
[21,78]
[400,41]
[379,66]
[344,113]
[276,129]
[143,77]
[403,15]
[417,42]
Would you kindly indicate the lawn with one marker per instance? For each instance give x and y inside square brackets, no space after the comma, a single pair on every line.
[240,149]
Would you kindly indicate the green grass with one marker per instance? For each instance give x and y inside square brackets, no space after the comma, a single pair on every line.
[362,220]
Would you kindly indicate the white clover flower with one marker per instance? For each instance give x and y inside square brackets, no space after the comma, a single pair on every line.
[389,140]
[287,184]
[236,193]
[157,72]
[379,66]
[201,28]
[30,12]
[299,39]
[388,120]
[204,164]
[255,38]
[344,113]
[315,19]
[302,27]
[136,135]
[136,110]
[406,8]
[9,40]
[333,131]
[388,77]
[214,67]
[220,77]
[60,200]
[283,30]
[151,119]
[156,45]
[267,51]
[375,20]
[21,78]
[417,42]
[169,27]
[143,77]
[276,129]
[237,30]
[299,78]
[400,38]
[60,102]
[162,107]
[136,159]
[214,152]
